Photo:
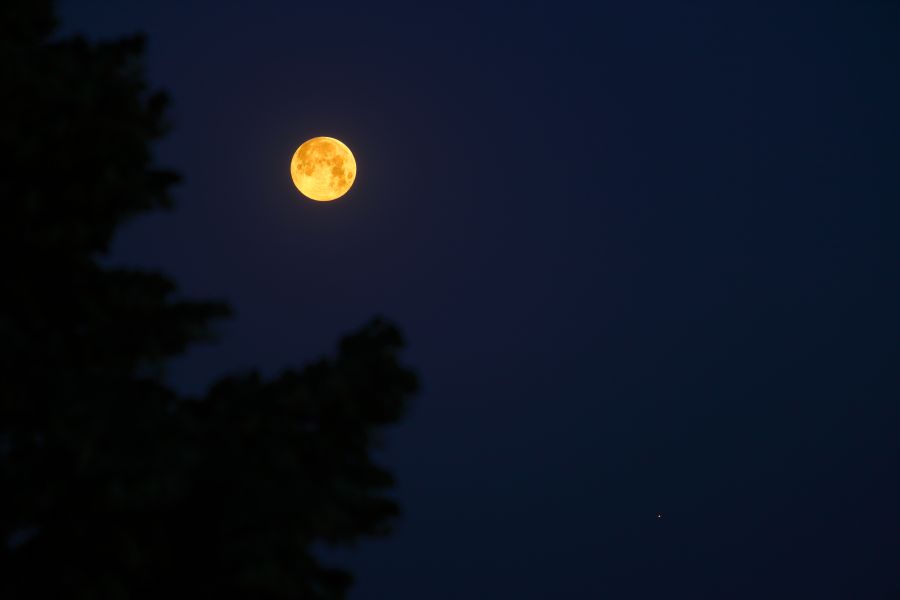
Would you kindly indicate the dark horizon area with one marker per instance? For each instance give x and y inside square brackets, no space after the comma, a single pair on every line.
[645,256]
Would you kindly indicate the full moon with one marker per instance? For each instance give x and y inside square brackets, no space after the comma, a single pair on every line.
[323,168]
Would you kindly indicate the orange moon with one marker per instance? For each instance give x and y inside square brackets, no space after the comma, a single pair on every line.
[323,169]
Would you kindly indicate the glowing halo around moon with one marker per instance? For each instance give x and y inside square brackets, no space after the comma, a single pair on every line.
[323,169]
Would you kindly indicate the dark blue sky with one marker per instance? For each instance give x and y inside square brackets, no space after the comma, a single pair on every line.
[646,255]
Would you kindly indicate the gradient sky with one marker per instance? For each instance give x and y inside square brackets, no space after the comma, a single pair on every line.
[646,256]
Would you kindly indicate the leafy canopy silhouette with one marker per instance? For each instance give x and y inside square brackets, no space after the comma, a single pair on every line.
[113,485]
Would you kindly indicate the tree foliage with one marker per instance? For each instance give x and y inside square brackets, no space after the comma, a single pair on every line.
[111,484]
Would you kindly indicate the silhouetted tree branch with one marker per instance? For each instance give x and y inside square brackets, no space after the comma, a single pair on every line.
[113,485]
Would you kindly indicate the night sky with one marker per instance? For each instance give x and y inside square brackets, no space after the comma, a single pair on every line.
[646,256]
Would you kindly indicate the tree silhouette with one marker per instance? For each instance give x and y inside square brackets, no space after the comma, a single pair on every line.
[111,484]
